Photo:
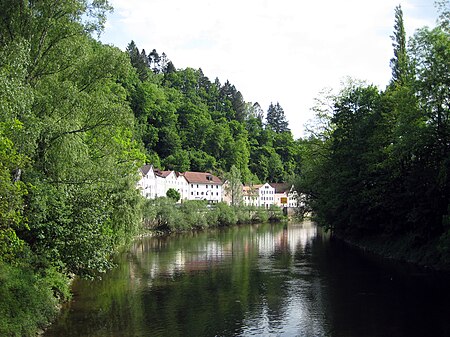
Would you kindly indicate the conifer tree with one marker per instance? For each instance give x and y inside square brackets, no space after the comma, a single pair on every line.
[276,120]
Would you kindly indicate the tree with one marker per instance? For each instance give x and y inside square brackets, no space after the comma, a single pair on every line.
[155,60]
[276,120]
[234,186]
[257,111]
[399,63]
[138,60]
[173,194]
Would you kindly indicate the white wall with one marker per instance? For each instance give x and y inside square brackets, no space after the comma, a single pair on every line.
[210,192]
[266,195]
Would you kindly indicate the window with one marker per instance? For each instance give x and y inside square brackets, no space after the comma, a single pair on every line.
[197,185]
[206,186]
[192,193]
[202,193]
[192,185]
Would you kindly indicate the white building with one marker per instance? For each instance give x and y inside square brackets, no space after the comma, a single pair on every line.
[285,195]
[203,186]
[182,186]
[250,196]
[266,195]
[147,183]
[155,183]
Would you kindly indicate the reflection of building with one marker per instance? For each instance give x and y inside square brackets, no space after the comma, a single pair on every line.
[157,256]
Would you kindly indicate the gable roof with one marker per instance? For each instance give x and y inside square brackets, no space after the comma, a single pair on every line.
[281,187]
[145,169]
[162,174]
[202,178]
[250,190]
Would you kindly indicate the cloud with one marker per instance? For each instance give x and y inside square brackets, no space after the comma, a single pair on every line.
[271,50]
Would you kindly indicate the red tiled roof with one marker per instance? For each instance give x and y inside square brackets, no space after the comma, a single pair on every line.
[162,174]
[202,178]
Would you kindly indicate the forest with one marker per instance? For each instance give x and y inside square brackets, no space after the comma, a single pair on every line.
[78,118]
[377,163]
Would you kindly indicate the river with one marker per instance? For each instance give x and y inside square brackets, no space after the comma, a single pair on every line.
[258,280]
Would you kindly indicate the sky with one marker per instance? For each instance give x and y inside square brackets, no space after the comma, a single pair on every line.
[284,51]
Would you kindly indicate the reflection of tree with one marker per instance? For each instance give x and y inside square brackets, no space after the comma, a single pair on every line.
[209,283]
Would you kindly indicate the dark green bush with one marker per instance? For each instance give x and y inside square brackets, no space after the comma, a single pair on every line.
[29,301]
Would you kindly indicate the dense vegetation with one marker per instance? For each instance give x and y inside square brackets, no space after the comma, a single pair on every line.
[188,123]
[77,120]
[378,164]
[162,214]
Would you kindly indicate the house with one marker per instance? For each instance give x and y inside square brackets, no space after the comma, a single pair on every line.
[250,196]
[266,195]
[164,181]
[182,186]
[203,186]
[285,195]
[147,183]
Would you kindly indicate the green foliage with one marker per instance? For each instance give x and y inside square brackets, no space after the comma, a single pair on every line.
[233,186]
[28,301]
[275,213]
[226,214]
[163,214]
[173,194]
[194,124]
[380,164]
[276,119]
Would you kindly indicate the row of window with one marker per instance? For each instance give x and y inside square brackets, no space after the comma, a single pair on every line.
[207,186]
[267,192]
[203,193]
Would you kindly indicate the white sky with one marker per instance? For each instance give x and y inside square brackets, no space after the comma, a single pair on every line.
[282,51]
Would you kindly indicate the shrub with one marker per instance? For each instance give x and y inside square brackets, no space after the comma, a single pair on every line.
[27,300]
[261,215]
[244,215]
[226,214]
[194,214]
[275,213]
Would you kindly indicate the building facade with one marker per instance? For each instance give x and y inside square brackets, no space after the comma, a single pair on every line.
[155,183]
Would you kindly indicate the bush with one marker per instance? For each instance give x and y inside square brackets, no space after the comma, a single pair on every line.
[275,213]
[226,214]
[261,215]
[194,214]
[244,214]
[28,301]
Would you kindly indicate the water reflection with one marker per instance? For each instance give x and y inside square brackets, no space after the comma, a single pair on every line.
[264,280]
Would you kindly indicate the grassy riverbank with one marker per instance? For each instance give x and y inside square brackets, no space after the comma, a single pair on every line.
[30,296]
[164,215]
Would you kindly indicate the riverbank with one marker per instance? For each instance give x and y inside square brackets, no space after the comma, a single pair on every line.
[164,215]
[406,249]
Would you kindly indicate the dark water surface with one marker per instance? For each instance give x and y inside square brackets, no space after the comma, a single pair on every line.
[264,280]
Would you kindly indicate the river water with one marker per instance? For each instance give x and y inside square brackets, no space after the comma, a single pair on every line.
[259,280]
